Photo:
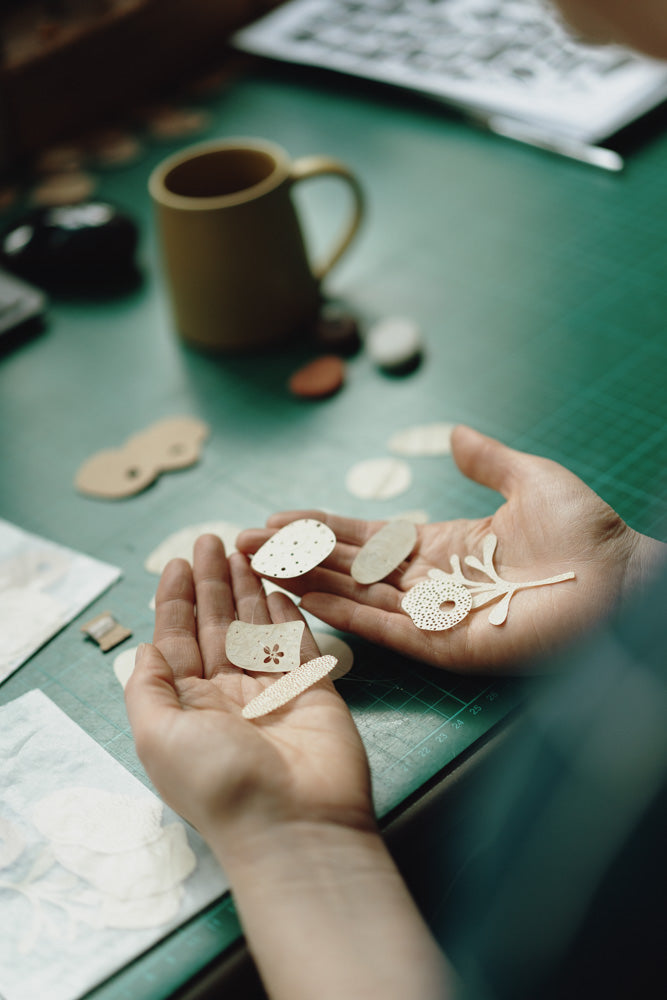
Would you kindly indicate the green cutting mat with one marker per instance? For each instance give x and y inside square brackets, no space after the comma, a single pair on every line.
[540,287]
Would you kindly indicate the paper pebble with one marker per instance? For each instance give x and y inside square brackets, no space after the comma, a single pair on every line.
[289,686]
[378,478]
[332,645]
[294,549]
[426,439]
[181,543]
[424,601]
[384,552]
[271,648]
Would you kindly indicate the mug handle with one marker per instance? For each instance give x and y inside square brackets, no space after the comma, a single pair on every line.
[317,166]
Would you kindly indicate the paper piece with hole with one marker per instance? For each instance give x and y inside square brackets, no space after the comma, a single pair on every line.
[294,549]
[378,478]
[272,648]
[424,603]
[43,586]
[290,685]
[180,544]
[116,473]
[332,645]
[384,552]
[425,439]
[94,869]
[494,587]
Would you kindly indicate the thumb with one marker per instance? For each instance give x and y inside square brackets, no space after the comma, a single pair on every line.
[489,462]
[150,693]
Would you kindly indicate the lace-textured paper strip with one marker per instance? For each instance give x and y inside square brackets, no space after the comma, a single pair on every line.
[294,550]
[424,601]
[271,648]
[485,591]
[289,686]
[384,552]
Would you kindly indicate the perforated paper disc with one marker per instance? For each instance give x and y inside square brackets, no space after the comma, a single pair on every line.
[294,550]
[424,601]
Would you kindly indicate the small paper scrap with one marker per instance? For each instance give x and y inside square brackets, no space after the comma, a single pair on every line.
[106,631]
[270,648]
[289,686]
[294,549]
[384,552]
[378,478]
[181,543]
[427,439]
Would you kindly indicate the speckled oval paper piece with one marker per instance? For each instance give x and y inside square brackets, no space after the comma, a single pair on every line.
[289,686]
[384,551]
[181,543]
[103,821]
[294,550]
[424,601]
[332,645]
[426,439]
[272,648]
[378,478]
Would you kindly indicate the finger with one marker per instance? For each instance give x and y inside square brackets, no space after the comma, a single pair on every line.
[249,595]
[150,697]
[175,631]
[282,609]
[215,601]
[489,462]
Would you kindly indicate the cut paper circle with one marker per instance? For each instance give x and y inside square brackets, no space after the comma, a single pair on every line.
[384,551]
[101,820]
[394,343]
[424,601]
[378,478]
[181,543]
[271,648]
[332,645]
[294,549]
[115,473]
[427,439]
[289,686]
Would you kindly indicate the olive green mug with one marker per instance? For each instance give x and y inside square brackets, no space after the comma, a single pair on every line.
[237,270]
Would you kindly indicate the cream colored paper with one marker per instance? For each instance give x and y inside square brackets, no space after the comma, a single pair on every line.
[289,686]
[384,552]
[424,601]
[271,648]
[294,550]
[378,478]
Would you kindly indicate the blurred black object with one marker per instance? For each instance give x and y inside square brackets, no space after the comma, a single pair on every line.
[22,309]
[85,247]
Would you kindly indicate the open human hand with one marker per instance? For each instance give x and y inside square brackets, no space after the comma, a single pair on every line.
[235,779]
[551,523]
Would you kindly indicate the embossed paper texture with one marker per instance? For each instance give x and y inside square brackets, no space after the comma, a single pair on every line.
[43,586]
[94,869]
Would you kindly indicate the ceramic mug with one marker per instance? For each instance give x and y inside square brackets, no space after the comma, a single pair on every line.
[236,264]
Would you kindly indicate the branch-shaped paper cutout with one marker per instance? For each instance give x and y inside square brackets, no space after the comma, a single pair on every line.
[485,591]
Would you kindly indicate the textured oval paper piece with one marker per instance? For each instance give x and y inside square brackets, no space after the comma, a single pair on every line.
[144,871]
[103,821]
[332,645]
[426,439]
[294,550]
[123,665]
[394,342]
[273,648]
[423,603]
[384,551]
[378,478]
[114,473]
[321,377]
[289,686]
[181,543]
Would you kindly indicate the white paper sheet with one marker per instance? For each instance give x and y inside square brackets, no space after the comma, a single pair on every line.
[43,586]
[63,931]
